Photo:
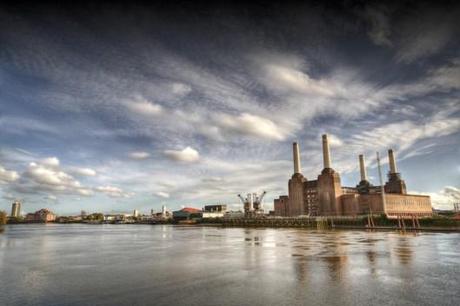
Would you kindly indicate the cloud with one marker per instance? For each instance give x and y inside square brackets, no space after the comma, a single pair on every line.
[83,171]
[426,33]
[139,155]
[114,192]
[46,174]
[188,155]
[143,107]
[380,29]
[253,125]
[445,198]
[334,141]
[51,197]
[162,194]
[50,162]
[181,89]
[286,78]
[8,176]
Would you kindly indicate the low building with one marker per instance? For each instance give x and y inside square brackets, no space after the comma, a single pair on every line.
[214,211]
[281,206]
[115,218]
[234,214]
[187,213]
[43,215]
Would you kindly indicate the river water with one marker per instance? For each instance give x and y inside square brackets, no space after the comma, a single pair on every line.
[186,265]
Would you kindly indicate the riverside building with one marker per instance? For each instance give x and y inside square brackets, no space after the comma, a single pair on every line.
[326,196]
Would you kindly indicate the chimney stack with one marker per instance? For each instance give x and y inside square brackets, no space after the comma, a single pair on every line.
[296,157]
[326,153]
[392,161]
[362,168]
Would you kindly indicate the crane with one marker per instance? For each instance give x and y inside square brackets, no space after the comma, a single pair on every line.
[252,203]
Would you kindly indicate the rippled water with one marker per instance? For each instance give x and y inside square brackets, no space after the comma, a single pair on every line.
[172,265]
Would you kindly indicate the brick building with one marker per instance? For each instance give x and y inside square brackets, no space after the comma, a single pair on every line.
[326,196]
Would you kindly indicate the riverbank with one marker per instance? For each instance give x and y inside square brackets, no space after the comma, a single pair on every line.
[261,223]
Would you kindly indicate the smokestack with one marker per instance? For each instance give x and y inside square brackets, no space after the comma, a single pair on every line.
[296,157]
[251,202]
[326,153]
[392,161]
[362,168]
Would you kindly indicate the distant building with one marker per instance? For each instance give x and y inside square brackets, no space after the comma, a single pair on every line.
[135,213]
[325,196]
[187,213]
[42,215]
[115,218]
[214,211]
[16,209]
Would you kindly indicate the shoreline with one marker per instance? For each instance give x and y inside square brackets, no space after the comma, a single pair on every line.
[227,225]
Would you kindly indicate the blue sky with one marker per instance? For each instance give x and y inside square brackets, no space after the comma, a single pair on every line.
[110,108]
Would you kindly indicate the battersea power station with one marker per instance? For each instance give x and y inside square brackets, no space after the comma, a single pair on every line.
[326,196]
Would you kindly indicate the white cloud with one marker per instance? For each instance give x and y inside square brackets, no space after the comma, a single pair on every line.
[144,107]
[50,162]
[334,141]
[186,155]
[46,175]
[286,78]
[83,171]
[139,155]
[445,198]
[248,124]
[50,176]
[8,176]
[162,194]
[114,192]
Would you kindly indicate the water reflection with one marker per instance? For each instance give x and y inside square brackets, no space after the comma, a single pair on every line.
[403,250]
[170,265]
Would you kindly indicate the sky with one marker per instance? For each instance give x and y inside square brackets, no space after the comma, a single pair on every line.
[119,107]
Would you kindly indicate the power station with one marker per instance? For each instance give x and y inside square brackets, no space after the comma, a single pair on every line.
[326,196]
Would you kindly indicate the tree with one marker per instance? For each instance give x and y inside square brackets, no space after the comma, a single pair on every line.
[2,218]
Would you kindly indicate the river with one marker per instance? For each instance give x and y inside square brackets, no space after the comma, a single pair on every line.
[80,264]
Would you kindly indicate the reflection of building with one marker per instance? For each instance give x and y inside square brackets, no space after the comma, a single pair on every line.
[187,213]
[16,209]
[42,215]
[214,211]
[325,196]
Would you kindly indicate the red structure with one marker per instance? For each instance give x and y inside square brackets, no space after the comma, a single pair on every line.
[43,215]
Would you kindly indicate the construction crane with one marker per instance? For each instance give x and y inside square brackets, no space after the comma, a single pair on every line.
[252,203]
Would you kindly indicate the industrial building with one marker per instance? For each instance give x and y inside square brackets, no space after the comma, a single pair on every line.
[326,196]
